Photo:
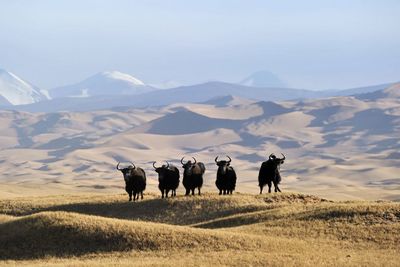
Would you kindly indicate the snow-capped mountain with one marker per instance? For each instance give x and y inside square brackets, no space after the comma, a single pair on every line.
[103,83]
[263,79]
[16,91]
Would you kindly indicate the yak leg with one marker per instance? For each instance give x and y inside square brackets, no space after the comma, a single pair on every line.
[220,192]
[141,193]
[199,191]
[162,193]
[193,192]
[129,193]
[261,189]
[224,192]
[187,192]
[166,193]
[277,187]
[269,186]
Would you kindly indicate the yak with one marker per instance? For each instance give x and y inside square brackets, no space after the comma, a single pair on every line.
[168,179]
[269,173]
[226,176]
[192,175]
[135,181]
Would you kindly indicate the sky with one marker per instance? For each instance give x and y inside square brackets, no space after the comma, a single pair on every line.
[312,44]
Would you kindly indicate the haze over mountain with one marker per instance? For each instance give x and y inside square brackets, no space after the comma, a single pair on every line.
[263,79]
[103,83]
[184,94]
[16,91]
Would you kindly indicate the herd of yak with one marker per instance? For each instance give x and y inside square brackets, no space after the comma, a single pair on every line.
[168,177]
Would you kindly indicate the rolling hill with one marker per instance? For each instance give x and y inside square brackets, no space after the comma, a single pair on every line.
[278,229]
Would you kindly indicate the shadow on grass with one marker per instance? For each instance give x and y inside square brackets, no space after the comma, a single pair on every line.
[177,211]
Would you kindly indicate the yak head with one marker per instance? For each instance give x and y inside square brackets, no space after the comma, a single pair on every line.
[126,171]
[277,161]
[188,166]
[223,164]
[161,170]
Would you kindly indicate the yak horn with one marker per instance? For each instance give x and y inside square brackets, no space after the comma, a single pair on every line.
[154,165]
[283,156]
[133,165]
[195,161]
[229,159]
[182,161]
[118,166]
[167,164]
[216,159]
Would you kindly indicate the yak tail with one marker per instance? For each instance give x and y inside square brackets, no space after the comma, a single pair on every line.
[202,167]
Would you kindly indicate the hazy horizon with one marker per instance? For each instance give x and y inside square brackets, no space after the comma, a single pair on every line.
[311,45]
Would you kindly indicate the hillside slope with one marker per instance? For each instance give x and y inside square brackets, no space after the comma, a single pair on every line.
[290,229]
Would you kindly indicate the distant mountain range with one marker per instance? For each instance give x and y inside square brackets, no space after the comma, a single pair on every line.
[114,89]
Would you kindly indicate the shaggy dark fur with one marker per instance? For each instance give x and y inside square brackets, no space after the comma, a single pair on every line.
[226,177]
[192,175]
[168,179]
[269,173]
[135,181]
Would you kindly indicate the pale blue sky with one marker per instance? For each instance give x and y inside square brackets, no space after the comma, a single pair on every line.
[308,44]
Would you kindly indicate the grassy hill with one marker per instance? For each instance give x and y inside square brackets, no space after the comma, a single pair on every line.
[277,229]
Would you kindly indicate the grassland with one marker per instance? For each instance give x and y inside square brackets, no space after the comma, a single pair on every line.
[277,229]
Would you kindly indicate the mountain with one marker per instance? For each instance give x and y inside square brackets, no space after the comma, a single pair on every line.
[16,91]
[263,79]
[185,94]
[103,83]
[200,93]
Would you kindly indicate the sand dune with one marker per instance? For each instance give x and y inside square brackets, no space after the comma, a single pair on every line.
[341,147]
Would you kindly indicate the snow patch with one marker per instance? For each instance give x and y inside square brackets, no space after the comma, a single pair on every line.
[17,91]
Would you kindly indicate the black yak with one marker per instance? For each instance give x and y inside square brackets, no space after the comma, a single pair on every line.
[226,176]
[135,181]
[168,179]
[192,175]
[269,173]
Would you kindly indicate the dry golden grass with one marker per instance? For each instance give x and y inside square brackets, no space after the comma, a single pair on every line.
[276,229]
